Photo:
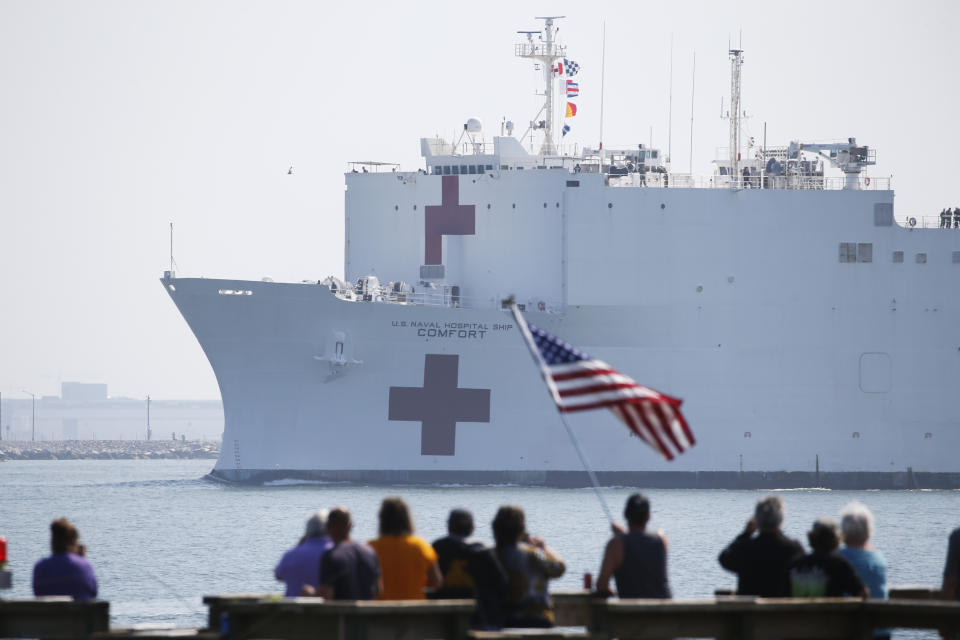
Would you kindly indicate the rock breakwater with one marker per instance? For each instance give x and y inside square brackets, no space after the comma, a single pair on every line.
[107,450]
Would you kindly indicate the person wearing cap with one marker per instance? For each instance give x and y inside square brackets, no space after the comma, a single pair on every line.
[762,562]
[299,567]
[824,573]
[67,572]
[470,570]
[635,558]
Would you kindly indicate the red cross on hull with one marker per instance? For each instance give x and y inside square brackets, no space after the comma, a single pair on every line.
[449,218]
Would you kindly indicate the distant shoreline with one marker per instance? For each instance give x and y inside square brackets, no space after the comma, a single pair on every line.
[108,450]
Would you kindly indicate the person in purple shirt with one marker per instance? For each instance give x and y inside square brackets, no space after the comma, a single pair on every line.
[67,572]
[300,567]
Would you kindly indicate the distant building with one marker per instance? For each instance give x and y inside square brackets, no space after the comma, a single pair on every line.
[85,411]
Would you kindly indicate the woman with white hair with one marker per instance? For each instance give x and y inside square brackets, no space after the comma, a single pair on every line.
[856,524]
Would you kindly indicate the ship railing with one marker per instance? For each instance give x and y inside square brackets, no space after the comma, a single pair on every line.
[444,297]
[794,182]
[925,222]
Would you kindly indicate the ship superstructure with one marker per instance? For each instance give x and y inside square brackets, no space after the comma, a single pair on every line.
[808,330]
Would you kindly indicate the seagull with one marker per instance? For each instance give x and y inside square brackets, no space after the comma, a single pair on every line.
[290,171]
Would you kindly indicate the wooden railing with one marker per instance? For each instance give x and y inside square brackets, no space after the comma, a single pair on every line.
[579,614]
[56,617]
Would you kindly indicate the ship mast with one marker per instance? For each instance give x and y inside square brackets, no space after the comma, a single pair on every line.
[546,51]
[736,61]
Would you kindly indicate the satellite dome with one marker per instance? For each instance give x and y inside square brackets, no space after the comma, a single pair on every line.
[473,125]
[509,127]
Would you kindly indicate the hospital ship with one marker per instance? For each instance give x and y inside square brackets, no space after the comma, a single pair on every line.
[810,331]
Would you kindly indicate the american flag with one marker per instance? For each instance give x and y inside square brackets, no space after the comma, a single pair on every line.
[578,382]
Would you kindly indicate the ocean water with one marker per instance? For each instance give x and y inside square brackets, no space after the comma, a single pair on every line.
[160,537]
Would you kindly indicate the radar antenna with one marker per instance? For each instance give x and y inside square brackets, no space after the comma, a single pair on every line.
[546,51]
[736,62]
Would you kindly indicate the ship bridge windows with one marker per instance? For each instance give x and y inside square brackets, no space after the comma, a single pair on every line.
[921,258]
[898,257]
[856,252]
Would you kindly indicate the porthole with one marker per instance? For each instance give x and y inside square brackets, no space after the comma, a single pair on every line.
[856,435]
[396,207]
[488,206]
[747,434]
[609,205]
[414,207]
[928,436]
[544,205]
[514,205]
[558,205]
[663,206]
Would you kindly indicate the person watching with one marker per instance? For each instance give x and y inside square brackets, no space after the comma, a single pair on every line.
[824,573]
[529,564]
[762,562]
[67,572]
[470,570]
[300,566]
[348,570]
[635,558]
[408,562]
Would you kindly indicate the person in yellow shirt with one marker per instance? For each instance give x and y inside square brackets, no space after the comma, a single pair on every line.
[407,562]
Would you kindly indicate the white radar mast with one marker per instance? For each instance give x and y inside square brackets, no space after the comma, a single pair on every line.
[546,50]
[736,62]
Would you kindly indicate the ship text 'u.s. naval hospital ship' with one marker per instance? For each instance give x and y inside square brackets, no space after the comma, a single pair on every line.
[808,331]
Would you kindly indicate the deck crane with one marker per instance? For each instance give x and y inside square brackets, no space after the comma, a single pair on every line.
[846,156]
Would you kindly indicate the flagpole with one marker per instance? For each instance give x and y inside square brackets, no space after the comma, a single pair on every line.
[528,340]
[586,465]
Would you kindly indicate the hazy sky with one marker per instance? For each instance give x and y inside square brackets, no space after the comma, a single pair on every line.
[118,118]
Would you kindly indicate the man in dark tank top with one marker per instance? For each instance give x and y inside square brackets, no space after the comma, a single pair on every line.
[635,558]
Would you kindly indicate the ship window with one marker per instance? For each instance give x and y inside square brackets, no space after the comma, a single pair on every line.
[856,435]
[514,205]
[489,167]
[544,205]
[472,169]
[848,252]
[653,154]
[747,434]
[573,183]
[504,167]
[883,214]
[609,205]
[339,351]
[921,258]
[446,170]
[642,156]
[488,206]
[865,252]
[898,257]
[956,257]
[456,170]
[928,436]
[464,170]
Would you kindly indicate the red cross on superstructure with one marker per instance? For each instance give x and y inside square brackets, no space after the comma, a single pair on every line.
[449,218]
